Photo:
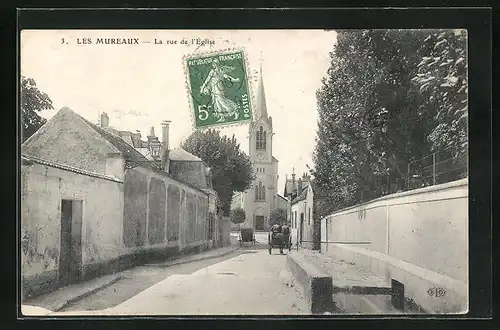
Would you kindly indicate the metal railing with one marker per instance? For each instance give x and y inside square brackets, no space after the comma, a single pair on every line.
[439,167]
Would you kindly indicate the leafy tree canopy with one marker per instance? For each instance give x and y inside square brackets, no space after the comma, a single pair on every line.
[277,215]
[386,99]
[237,215]
[231,168]
[32,102]
[442,79]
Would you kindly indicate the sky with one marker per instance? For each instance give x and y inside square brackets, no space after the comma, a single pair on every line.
[141,85]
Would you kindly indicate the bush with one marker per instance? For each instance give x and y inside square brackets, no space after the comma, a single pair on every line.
[237,216]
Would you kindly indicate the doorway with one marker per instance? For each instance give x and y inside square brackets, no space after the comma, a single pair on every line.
[259,222]
[70,258]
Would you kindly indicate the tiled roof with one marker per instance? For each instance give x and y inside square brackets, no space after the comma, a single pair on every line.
[180,154]
[129,152]
[136,140]
[145,152]
[132,155]
[291,186]
[28,159]
[127,138]
[302,196]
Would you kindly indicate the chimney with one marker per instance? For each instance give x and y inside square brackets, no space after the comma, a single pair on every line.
[151,135]
[104,120]
[165,161]
[299,186]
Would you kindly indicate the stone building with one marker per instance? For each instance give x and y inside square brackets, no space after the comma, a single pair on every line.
[96,200]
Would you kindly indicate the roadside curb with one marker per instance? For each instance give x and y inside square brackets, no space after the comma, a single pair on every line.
[316,284]
[75,298]
[181,262]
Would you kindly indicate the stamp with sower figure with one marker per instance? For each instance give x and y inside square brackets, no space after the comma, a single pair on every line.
[218,88]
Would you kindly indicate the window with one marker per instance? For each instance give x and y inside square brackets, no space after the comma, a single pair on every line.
[260,141]
[309,216]
[295,216]
[260,192]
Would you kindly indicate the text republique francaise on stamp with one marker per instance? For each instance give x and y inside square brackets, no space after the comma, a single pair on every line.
[218,88]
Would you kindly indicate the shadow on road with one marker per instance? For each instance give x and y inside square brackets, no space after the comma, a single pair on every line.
[138,279]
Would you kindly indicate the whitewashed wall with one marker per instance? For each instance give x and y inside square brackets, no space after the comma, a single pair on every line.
[419,237]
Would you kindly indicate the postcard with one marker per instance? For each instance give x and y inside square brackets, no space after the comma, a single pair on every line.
[244,172]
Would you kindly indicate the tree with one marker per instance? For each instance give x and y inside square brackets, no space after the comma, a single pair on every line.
[231,168]
[237,216]
[373,117]
[277,216]
[442,80]
[32,102]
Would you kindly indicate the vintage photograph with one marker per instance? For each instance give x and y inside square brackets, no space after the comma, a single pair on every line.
[244,172]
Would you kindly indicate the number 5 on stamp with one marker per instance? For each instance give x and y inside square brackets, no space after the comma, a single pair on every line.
[218,88]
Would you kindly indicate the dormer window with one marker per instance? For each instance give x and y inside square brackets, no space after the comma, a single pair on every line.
[260,143]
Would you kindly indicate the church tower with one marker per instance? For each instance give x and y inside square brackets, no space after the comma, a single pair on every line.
[261,199]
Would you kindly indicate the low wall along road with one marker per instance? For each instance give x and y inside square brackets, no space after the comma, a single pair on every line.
[418,237]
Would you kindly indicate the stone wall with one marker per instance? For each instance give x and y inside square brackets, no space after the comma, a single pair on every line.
[148,216]
[167,212]
[418,237]
[43,188]
[173,213]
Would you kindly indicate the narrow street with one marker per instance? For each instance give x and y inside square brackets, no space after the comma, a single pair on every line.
[247,282]
[138,279]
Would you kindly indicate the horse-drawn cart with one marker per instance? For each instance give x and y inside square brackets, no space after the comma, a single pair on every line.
[279,240]
[247,236]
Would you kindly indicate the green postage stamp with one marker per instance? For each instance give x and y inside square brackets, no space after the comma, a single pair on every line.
[218,88]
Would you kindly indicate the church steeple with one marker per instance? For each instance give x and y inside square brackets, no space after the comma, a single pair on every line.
[261,107]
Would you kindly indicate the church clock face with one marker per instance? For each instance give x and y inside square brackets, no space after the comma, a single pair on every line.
[260,156]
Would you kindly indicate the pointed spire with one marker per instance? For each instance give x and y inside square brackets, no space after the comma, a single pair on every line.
[261,107]
[261,60]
